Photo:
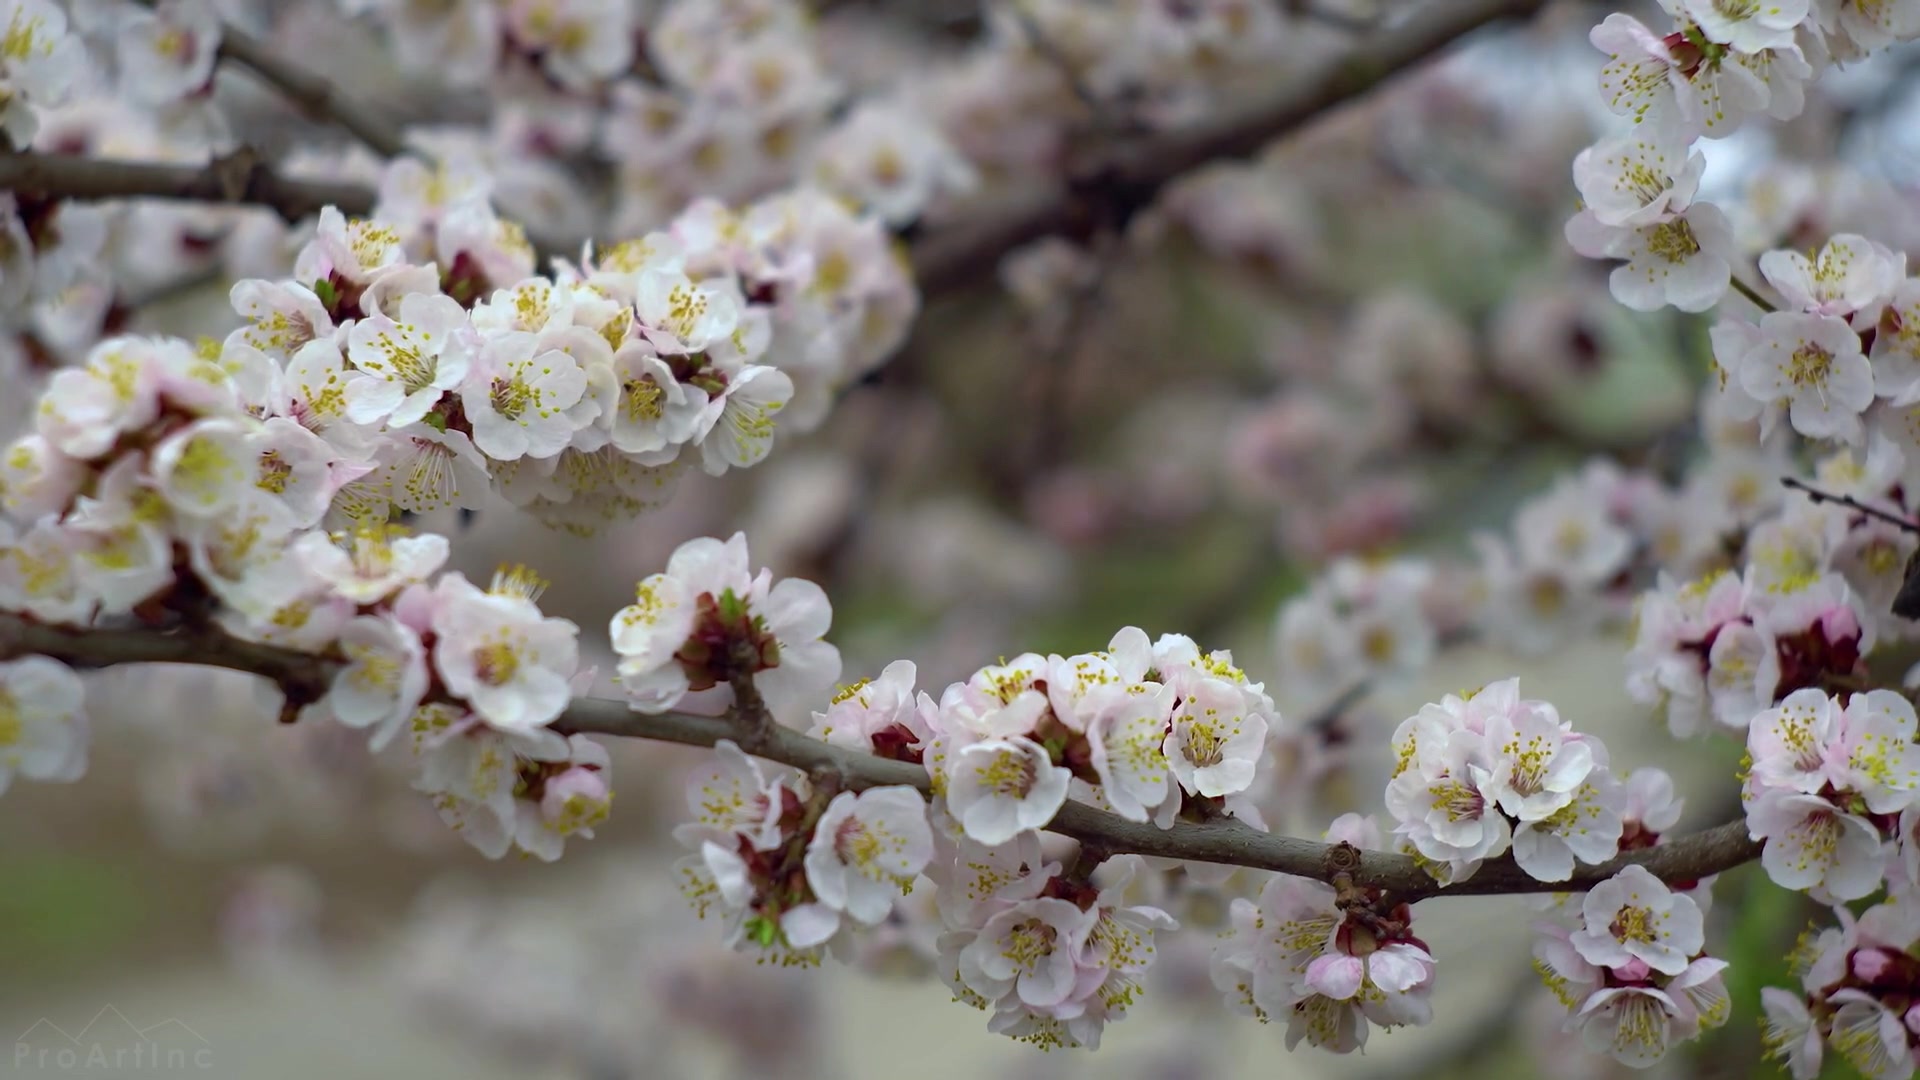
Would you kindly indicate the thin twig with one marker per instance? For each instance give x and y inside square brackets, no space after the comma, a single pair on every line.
[1685,859]
[1850,503]
[1102,113]
[1307,11]
[1750,293]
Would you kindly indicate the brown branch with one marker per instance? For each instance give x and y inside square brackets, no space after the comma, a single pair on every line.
[1131,176]
[1851,503]
[239,177]
[1686,859]
[308,90]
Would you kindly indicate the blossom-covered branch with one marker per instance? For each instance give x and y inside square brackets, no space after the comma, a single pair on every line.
[239,177]
[1120,180]
[305,677]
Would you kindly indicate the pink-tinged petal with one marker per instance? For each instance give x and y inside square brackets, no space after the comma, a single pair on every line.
[1336,975]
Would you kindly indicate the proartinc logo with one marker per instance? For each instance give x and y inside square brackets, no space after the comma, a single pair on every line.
[110,1044]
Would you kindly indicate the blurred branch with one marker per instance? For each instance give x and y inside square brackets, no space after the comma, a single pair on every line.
[238,177]
[313,93]
[1309,11]
[1131,177]
[305,678]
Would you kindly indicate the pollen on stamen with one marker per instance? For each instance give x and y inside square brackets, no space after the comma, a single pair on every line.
[516,579]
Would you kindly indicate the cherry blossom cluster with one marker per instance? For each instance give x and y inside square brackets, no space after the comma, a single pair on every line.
[1812,601]
[1161,62]
[1858,986]
[1148,729]
[739,101]
[159,486]
[41,58]
[1325,960]
[734,99]
[785,867]
[1570,547]
[1479,775]
[1053,955]
[1841,357]
[1632,972]
[697,99]
[1357,621]
[1720,65]
[790,873]
[163,57]
[421,341]
[44,729]
[1835,346]
[1832,788]
[708,624]
[1568,565]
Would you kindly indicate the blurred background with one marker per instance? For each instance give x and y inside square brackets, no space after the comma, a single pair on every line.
[1371,341]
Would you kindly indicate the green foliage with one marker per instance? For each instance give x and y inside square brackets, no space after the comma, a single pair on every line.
[58,909]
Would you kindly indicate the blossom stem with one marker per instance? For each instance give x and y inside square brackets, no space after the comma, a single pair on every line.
[1753,295]
[1226,842]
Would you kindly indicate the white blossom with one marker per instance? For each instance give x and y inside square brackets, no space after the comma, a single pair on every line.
[43,721]
[1634,916]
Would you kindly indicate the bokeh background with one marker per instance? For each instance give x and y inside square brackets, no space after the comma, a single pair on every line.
[1372,339]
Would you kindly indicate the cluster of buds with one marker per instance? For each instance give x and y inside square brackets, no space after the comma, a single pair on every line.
[1833,789]
[1332,960]
[1633,974]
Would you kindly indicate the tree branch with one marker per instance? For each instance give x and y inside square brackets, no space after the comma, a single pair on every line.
[1131,177]
[308,90]
[1684,860]
[239,177]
